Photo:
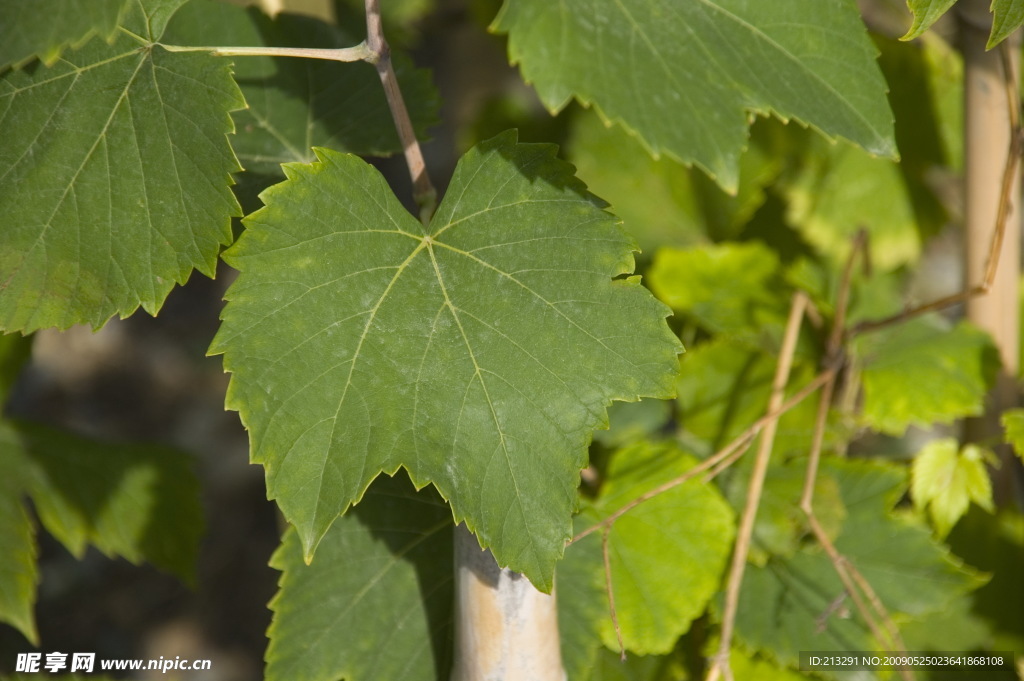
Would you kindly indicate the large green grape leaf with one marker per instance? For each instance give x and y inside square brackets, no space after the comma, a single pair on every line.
[140,502]
[479,352]
[19,573]
[667,555]
[295,104]
[798,603]
[377,601]
[700,67]
[44,28]
[920,372]
[116,168]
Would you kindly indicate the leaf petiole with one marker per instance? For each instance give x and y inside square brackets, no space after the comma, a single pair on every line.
[360,52]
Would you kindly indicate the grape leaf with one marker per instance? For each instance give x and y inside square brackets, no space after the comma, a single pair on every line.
[1013,422]
[945,480]
[798,603]
[44,28]
[724,387]
[661,202]
[733,289]
[1007,17]
[19,573]
[919,373]
[478,353]
[926,13]
[295,104]
[377,602]
[14,352]
[685,59]
[839,190]
[667,555]
[116,167]
[582,603]
[140,502]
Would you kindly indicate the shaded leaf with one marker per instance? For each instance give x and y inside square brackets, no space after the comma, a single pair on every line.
[45,28]
[839,190]
[945,480]
[798,603]
[682,60]
[920,372]
[376,603]
[667,554]
[479,353]
[296,104]
[140,502]
[19,573]
[116,167]
[662,202]
[15,350]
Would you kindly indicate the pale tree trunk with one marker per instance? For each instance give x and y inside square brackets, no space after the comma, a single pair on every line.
[987,143]
[505,629]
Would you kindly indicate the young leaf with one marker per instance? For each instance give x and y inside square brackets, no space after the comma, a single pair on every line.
[19,573]
[44,28]
[139,502]
[799,603]
[667,554]
[376,603]
[1013,422]
[295,104]
[734,289]
[780,58]
[926,13]
[116,168]
[479,352]
[1007,17]
[922,373]
[946,479]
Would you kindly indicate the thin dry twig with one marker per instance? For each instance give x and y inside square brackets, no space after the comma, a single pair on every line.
[373,50]
[757,477]
[721,455]
[1003,212]
[856,586]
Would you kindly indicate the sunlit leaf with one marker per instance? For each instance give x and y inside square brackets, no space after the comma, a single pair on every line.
[479,352]
[667,555]
[116,171]
[45,28]
[945,479]
[921,372]
[926,13]
[700,68]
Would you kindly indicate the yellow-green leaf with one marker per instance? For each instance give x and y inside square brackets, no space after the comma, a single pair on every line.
[946,479]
